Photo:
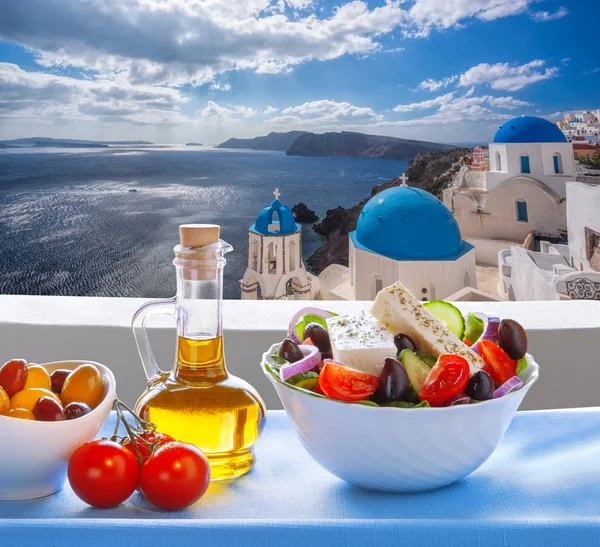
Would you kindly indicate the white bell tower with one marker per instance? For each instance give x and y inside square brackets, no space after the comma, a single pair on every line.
[275,270]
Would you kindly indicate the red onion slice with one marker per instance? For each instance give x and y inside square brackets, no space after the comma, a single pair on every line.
[312,356]
[491,324]
[458,399]
[513,384]
[323,314]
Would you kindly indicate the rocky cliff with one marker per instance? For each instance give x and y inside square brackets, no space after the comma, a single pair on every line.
[359,145]
[429,171]
[272,141]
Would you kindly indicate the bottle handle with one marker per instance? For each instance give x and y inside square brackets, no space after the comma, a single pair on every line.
[138,324]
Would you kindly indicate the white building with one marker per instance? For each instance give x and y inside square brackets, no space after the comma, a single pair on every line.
[274,268]
[581,126]
[404,234]
[522,193]
[560,271]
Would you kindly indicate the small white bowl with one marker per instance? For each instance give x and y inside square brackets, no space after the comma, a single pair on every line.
[399,449]
[34,455]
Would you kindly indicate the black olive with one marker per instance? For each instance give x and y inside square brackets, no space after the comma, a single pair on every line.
[480,386]
[290,351]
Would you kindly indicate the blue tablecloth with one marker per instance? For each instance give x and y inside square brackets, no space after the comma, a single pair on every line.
[541,487]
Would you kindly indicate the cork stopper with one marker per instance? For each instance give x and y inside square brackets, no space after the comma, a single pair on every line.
[198,235]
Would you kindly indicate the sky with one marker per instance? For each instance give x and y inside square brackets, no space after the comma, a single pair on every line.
[174,71]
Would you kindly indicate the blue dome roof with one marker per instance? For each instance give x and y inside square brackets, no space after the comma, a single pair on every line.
[407,223]
[287,222]
[529,129]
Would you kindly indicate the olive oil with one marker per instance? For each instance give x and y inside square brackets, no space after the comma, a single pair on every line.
[200,403]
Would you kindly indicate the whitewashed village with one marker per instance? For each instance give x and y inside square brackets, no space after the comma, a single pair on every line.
[520,221]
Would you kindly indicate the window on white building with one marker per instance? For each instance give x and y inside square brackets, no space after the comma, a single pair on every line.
[377,285]
[498,162]
[522,215]
[525,167]
[254,255]
[293,253]
[272,257]
[558,165]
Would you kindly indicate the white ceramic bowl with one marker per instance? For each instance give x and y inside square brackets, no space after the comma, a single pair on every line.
[34,455]
[398,449]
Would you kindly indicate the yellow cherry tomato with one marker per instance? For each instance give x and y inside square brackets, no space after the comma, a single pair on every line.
[38,376]
[4,401]
[27,398]
[21,413]
[83,385]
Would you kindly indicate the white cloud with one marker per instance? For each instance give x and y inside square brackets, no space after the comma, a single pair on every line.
[433,85]
[591,71]
[454,110]
[423,105]
[427,15]
[543,16]
[507,102]
[507,77]
[327,111]
[180,42]
[270,110]
[36,94]
[501,76]
[220,87]
[215,114]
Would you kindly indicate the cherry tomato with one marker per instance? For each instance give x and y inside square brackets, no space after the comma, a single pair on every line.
[175,476]
[497,362]
[448,377]
[346,384]
[103,473]
[13,375]
[147,443]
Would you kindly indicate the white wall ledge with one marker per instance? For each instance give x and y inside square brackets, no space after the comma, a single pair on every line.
[271,315]
[564,338]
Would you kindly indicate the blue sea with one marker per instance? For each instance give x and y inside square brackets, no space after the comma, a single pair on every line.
[70,223]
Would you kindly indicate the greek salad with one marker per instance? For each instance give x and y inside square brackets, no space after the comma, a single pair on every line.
[404,353]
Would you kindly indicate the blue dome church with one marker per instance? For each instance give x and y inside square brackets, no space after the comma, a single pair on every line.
[274,268]
[531,147]
[405,234]
[518,194]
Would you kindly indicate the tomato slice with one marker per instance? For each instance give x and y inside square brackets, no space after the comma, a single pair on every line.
[345,383]
[448,377]
[497,362]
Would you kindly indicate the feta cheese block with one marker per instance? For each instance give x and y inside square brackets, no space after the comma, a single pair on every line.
[360,341]
[401,312]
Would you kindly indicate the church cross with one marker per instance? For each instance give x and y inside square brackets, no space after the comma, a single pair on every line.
[276,193]
[403,178]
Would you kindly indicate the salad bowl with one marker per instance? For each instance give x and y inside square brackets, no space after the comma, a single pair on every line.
[398,449]
[34,455]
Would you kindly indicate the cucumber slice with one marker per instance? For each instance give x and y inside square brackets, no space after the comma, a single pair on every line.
[427,358]
[305,380]
[416,369]
[449,315]
[474,328]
